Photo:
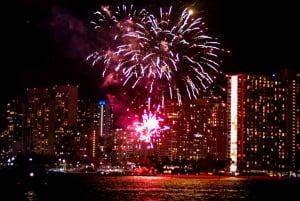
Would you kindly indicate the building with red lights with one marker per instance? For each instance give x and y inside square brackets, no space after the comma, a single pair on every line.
[263,122]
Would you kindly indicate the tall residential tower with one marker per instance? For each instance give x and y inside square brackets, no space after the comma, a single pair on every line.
[263,121]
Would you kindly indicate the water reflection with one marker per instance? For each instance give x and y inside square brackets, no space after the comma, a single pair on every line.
[157,188]
[140,188]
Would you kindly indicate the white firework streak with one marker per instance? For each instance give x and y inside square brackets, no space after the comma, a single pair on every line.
[163,53]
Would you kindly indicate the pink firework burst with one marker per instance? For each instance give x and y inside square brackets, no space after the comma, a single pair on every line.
[149,128]
[168,55]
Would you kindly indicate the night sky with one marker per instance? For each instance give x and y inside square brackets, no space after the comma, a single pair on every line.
[47,41]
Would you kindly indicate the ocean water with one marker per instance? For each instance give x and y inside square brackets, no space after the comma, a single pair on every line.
[86,187]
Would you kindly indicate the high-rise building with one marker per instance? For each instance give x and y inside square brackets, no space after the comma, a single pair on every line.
[93,138]
[12,138]
[38,119]
[65,99]
[51,117]
[263,122]
[103,122]
[197,130]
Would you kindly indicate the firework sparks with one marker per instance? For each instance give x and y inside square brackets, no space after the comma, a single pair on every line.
[149,128]
[166,56]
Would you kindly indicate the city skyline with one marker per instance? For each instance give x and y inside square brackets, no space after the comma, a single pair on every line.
[258,126]
[58,37]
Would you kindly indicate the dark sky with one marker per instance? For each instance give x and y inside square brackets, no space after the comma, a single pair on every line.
[47,41]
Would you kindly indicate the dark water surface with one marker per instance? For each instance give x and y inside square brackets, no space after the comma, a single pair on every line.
[85,187]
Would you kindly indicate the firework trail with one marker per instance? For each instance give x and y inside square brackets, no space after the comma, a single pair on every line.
[166,56]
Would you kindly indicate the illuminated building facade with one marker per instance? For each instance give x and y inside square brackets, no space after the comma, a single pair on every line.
[256,129]
[64,101]
[38,131]
[197,130]
[51,118]
[54,122]
[92,139]
[124,146]
[263,122]
[102,142]
[11,138]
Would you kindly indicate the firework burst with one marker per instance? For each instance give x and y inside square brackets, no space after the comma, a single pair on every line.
[166,56]
[150,128]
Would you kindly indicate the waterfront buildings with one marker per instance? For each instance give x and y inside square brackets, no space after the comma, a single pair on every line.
[255,128]
[263,121]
